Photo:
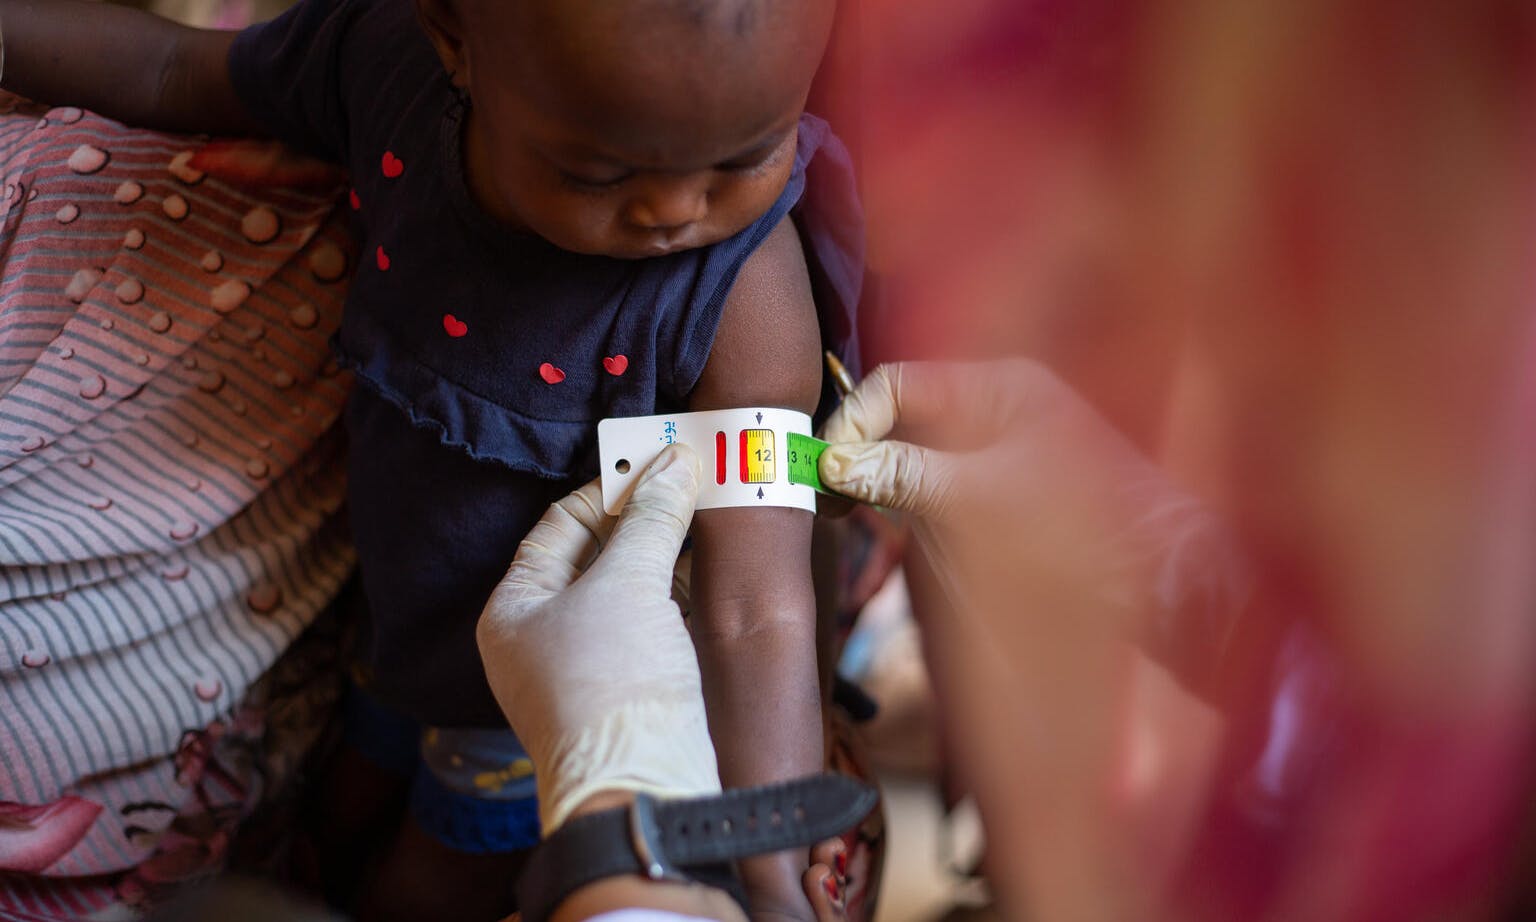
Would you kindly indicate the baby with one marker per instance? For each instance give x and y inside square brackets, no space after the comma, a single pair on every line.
[567,210]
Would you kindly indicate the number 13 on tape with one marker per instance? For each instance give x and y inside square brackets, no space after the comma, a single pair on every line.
[761,456]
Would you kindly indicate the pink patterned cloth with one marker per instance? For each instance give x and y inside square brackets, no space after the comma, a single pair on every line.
[170,492]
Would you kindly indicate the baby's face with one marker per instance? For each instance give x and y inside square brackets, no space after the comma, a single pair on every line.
[593,191]
[614,137]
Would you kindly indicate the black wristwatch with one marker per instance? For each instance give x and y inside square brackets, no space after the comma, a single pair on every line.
[695,840]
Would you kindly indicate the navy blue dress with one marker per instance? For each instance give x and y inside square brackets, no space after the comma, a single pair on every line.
[484,357]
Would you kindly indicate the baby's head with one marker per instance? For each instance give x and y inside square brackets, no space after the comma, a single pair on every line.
[630,128]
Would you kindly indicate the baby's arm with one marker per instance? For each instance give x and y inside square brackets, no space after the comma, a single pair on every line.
[754,614]
[122,63]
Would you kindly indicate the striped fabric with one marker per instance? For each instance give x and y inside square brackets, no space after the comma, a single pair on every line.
[170,478]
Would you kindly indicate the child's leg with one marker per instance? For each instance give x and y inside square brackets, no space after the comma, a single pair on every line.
[359,801]
[423,879]
[357,807]
[472,819]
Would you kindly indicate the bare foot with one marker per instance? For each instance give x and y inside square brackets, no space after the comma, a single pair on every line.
[824,880]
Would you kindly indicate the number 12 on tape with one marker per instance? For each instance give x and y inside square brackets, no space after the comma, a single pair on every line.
[760,456]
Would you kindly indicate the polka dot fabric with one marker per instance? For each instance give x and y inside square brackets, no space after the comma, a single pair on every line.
[170,472]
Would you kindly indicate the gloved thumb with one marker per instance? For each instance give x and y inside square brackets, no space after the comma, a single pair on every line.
[894,474]
[652,525]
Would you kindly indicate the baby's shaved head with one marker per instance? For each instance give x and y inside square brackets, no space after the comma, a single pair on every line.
[731,16]
[656,66]
[738,16]
[627,99]
[620,28]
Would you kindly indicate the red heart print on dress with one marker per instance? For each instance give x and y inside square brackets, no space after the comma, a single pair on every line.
[551,374]
[616,364]
[383,259]
[393,166]
[357,203]
[454,326]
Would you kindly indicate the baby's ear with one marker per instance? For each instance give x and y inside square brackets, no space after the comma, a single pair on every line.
[444,25]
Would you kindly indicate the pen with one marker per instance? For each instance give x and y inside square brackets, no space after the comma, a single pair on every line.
[841,379]
[843,382]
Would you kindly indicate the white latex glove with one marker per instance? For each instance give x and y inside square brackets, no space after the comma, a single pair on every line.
[588,655]
[1058,545]
[1037,499]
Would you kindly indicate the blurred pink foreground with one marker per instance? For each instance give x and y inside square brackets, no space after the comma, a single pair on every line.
[1286,249]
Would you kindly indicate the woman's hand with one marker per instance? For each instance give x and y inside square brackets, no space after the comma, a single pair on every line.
[1025,498]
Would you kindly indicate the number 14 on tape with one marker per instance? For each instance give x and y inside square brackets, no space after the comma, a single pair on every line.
[760,456]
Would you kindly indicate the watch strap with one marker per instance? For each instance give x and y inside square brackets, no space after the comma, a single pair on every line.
[689,840]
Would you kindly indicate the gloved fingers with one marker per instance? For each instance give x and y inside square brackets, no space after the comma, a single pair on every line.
[894,474]
[870,411]
[585,504]
[562,544]
[653,524]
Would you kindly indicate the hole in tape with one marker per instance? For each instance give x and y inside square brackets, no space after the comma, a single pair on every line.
[621,465]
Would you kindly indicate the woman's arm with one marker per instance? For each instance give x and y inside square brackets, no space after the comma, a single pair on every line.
[754,613]
[122,63]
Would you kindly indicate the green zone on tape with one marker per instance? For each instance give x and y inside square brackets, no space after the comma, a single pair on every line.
[804,453]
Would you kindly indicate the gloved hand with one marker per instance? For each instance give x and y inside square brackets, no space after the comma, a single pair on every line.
[1038,504]
[1058,545]
[588,655]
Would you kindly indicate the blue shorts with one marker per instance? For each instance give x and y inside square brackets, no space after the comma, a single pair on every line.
[471,788]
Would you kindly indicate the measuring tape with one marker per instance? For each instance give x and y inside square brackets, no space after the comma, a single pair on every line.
[761,456]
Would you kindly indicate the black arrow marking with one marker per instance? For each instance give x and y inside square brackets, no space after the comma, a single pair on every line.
[759,419]
[759,492]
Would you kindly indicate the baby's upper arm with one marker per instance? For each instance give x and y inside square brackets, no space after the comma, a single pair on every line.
[122,63]
[197,92]
[767,349]
[767,352]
